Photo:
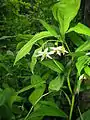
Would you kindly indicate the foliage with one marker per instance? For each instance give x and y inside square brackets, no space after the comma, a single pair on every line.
[47,74]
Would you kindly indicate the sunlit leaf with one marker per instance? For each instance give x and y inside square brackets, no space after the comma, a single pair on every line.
[64,12]
[49,28]
[84,47]
[87,70]
[82,61]
[27,47]
[81,29]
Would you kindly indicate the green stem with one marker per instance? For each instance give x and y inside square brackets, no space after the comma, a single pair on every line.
[67,47]
[68,81]
[72,106]
[80,114]
[26,118]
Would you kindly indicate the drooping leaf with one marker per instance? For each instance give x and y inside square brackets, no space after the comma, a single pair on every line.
[85,115]
[87,70]
[36,94]
[77,54]
[47,109]
[64,12]
[6,37]
[53,65]
[84,47]
[8,96]
[20,45]
[49,28]
[25,37]
[82,61]
[27,47]
[81,29]
[76,39]
[3,66]
[56,84]
[30,86]
[34,59]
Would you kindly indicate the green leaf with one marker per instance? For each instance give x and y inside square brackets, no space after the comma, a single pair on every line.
[85,115]
[8,96]
[84,47]
[49,28]
[30,86]
[78,86]
[36,94]
[47,109]
[27,47]
[24,37]
[87,70]
[77,54]
[81,29]
[34,59]
[35,79]
[56,84]
[20,45]
[64,12]
[6,37]
[53,65]
[4,66]
[76,39]
[82,61]
[2,99]
[36,118]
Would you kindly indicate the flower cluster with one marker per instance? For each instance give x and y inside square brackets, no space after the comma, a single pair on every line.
[50,51]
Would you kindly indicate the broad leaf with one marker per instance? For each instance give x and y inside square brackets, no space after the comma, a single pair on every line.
[56,84]
[8,96]
[47,109]
[81,29]
[76,39]
[87,70]
[27,47]
[82,61]
[64,12]
[84,47]
[35,79]
[30,86]
[85,115]
[49,28]
[53,65]
[36,94]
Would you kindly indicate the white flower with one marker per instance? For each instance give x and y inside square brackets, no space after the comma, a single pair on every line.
[45,54]
[59,50]
[82,77]
[88,53]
